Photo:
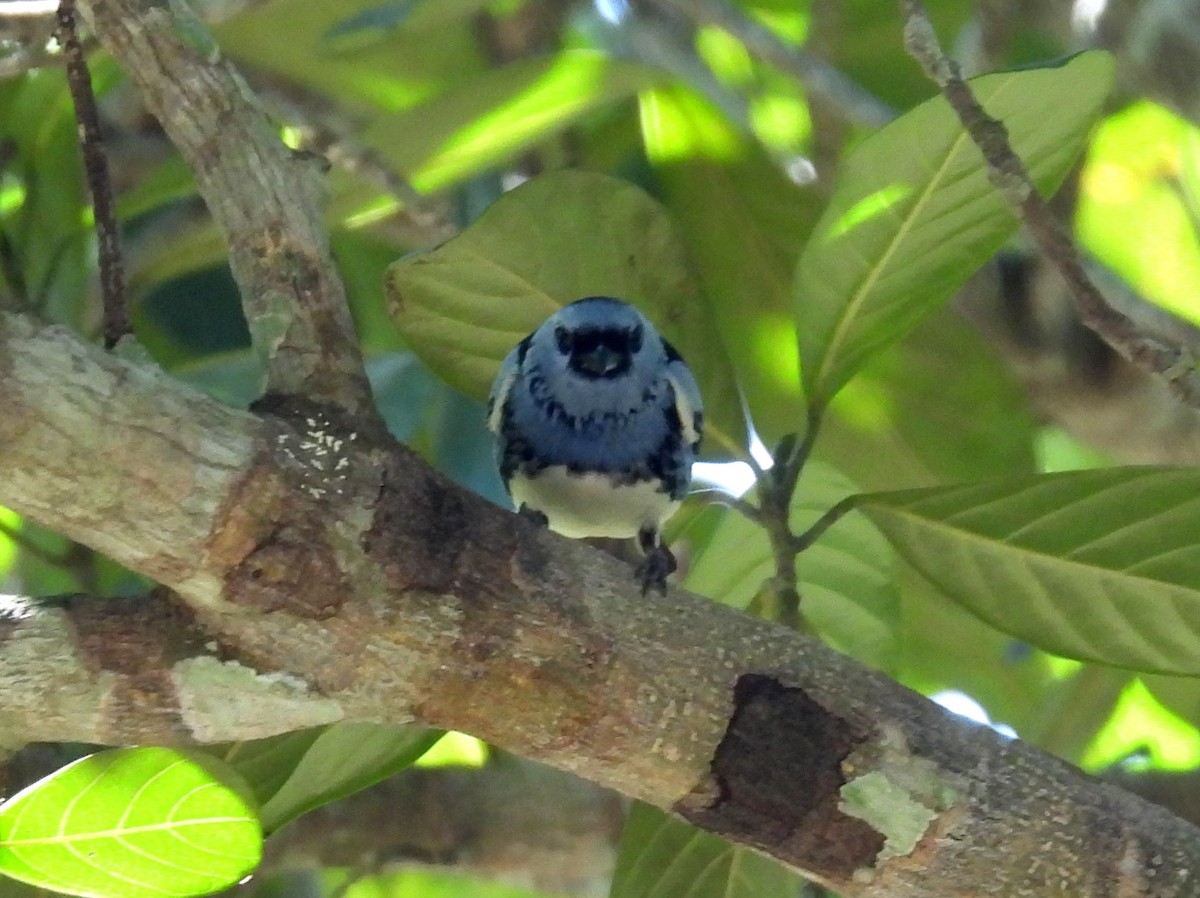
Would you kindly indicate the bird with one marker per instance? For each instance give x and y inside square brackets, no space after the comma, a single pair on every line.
[597,421]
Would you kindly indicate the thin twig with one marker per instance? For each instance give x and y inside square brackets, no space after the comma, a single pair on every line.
[823,81]
[1173,362]
[830,517]
[91,143]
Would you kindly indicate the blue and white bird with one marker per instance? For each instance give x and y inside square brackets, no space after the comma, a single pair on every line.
[598,421]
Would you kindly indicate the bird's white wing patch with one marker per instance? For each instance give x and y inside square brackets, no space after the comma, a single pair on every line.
[501,387]
[687,401]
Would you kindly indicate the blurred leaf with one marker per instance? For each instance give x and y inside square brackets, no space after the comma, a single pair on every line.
[296,772]
[869,52]
[127,823]
[416,883]
[1101,565]
[1138,204]
[743,222]
[313,43]
[913,214]
[363,261]
[168,181]
[938,407]
[943,646]
[844,578]
[1140,726]
[660,856]
[1180,695]
[491,117]
[560,237]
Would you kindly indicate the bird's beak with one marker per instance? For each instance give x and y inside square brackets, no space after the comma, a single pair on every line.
[600,360]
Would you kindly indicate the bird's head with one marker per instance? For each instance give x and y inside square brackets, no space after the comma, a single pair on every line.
[599,339]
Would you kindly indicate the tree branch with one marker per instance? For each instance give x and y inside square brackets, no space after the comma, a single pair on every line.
[350,566]
[1007,172]
[132,671]
[265,199]
[824,83]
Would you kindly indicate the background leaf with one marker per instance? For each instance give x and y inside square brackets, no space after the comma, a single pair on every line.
[129,823]
[296,772]
[844,578]
[914,215]
[1101,565]
[662,857]
[742,220]
[558,238]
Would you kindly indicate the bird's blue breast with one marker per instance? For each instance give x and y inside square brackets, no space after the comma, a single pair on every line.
[624,428]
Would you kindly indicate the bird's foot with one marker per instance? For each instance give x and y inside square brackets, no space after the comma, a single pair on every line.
[532,514]
[653,569]
[657,563]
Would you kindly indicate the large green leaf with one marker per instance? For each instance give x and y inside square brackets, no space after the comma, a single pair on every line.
[129,823]
[743,222]
[296,772]
[844,578]
[662,857]
[938,407]
[914,214]
[555,239]
[1101,565]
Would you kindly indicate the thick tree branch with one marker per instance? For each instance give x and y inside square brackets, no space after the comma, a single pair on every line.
[350,566]
[265,199]
[124,671]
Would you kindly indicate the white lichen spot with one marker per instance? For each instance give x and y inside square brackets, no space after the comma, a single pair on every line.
[899,794]
[227,701]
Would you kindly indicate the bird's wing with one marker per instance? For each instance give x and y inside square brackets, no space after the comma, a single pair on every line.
[688,404]
[502,385]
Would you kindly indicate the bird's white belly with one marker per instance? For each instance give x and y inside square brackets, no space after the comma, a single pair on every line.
[579,505]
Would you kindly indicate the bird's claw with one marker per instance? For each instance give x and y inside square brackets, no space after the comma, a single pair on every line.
[538,518]
[654,568]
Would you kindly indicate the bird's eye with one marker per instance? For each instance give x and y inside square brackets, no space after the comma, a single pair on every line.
[562,337]
[635,339]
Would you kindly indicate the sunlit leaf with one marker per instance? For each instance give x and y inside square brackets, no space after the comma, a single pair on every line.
[488,119]
[662,857]
[743,222]
[844,578]
[914,214]
[1141,727]
[558,238]
[296,772]
[411,882]
[1101,565]
[129,823]
[1132,213]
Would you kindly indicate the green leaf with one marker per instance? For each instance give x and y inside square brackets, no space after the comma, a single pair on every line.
[844,578]
[555,239]
[742,221]
[938,407]
[481,122]
[128,823]
[296,772]
[662,857]
[1101,565]
[416,883]
[913,214]
[304,41]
